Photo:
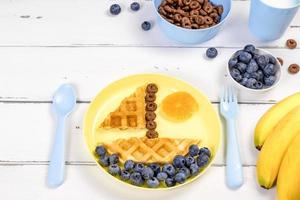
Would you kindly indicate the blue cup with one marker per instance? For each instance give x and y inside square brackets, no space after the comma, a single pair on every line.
[270,18]
[192,36]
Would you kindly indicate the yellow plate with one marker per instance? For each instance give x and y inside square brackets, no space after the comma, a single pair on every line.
[204,124]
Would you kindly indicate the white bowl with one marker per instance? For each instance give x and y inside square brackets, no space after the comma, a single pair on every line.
[277,75]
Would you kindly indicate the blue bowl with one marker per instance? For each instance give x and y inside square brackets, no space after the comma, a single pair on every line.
[192,36]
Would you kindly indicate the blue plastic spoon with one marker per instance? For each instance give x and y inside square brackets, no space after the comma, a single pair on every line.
[64,100]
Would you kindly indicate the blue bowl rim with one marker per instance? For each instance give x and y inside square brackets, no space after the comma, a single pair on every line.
[194,30]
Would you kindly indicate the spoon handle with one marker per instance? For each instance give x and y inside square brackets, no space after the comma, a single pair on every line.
[57,159]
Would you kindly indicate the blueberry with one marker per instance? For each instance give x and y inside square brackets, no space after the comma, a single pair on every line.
[146,26]
[129,165]
[193,150]
[244,81]
[252,66]
[241,67]
[153,182]
[245,57]
[125,175]
[113,158]
[236,75]
[211,52]
[194,169]
[189,160]
[272,60]
[262,60]
[237,54]
[155,167]
[246,75]
[100,150]
[259,85]
[269,81]
[260,75]
[169,169]
[136,178]
[255,56]
[269,69]
[170,182]
[186,171]
[147,173]
[205,151]
[251,83]
[232,62]
[202,160]
[256,76]
[180,177]
[162,176]
[179,161]
[135,6]
[104,161]
[139,167]
[115,9]
[114,169]
[250,48]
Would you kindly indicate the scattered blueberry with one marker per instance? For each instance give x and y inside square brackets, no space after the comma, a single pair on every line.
[259,85]
[269,69]
[179,161]
[129,165]
[250,48]
[211,52]
[252,66]
[269,81]
[245,57]
[235,73]
[146,26]
[125,175]
[153,182]
[205,151]
[170,182]
[272,60]
[244,81]
[115,9]
[189,160]
[262,60]
[104,161]
[100,150]
[241,67]
[232,62]
[180,177]
[136,178]
[194,169]
[147,173]
[202,160]
[251,83]
[135,6]
[113,159]
[114,169]
[155,167]
[238,53]
[186,171]
[193,150]
[169,169]
[139,167]
[162,176]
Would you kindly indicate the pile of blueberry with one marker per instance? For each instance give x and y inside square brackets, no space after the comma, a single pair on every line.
[253,70]
[154,175]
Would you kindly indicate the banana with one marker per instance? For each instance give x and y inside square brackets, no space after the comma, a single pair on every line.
[271,118]
[288,181]
[275,146]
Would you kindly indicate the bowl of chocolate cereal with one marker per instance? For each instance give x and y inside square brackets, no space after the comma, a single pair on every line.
[191,21]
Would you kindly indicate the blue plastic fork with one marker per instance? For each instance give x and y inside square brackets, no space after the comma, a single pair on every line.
[229,110]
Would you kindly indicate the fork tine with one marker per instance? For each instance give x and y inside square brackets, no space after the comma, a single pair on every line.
[234,96]
[226,95]
[231,94]
[223,95]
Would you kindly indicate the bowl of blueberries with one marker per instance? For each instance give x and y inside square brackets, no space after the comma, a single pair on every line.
[254,69]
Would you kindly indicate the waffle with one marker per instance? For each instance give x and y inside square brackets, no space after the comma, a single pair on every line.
[130,113]
[158,150]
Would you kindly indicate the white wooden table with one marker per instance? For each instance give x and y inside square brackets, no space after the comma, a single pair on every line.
[44,43]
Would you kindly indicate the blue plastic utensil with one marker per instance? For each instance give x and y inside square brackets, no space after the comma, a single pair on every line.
[229,110]
[64,101]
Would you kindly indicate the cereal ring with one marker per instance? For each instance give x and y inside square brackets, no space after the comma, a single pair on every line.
[186,2]
[195,26]
[204,26]
[187,26]
[169,1]
[177,17]
[201,1]
[194,13]
[180,3]
[215,17]
[151,88]
[151,125]
[291,43]
[178,24]
[220,10]
[151,106]
[151,134]
[294,68]
[186,8]
[208,8]
[194,5]
[202,12]
[150,116]
[280,60]
[200,20]
[162,11]
[150,97]
[208,20]
[185,21]
[182,12]
[168,9]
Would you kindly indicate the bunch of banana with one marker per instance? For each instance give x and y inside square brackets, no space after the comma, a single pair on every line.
[277,135]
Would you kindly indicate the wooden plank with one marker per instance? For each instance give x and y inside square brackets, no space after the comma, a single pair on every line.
[32,74]
[86,22]
[28,131]
[88,182]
